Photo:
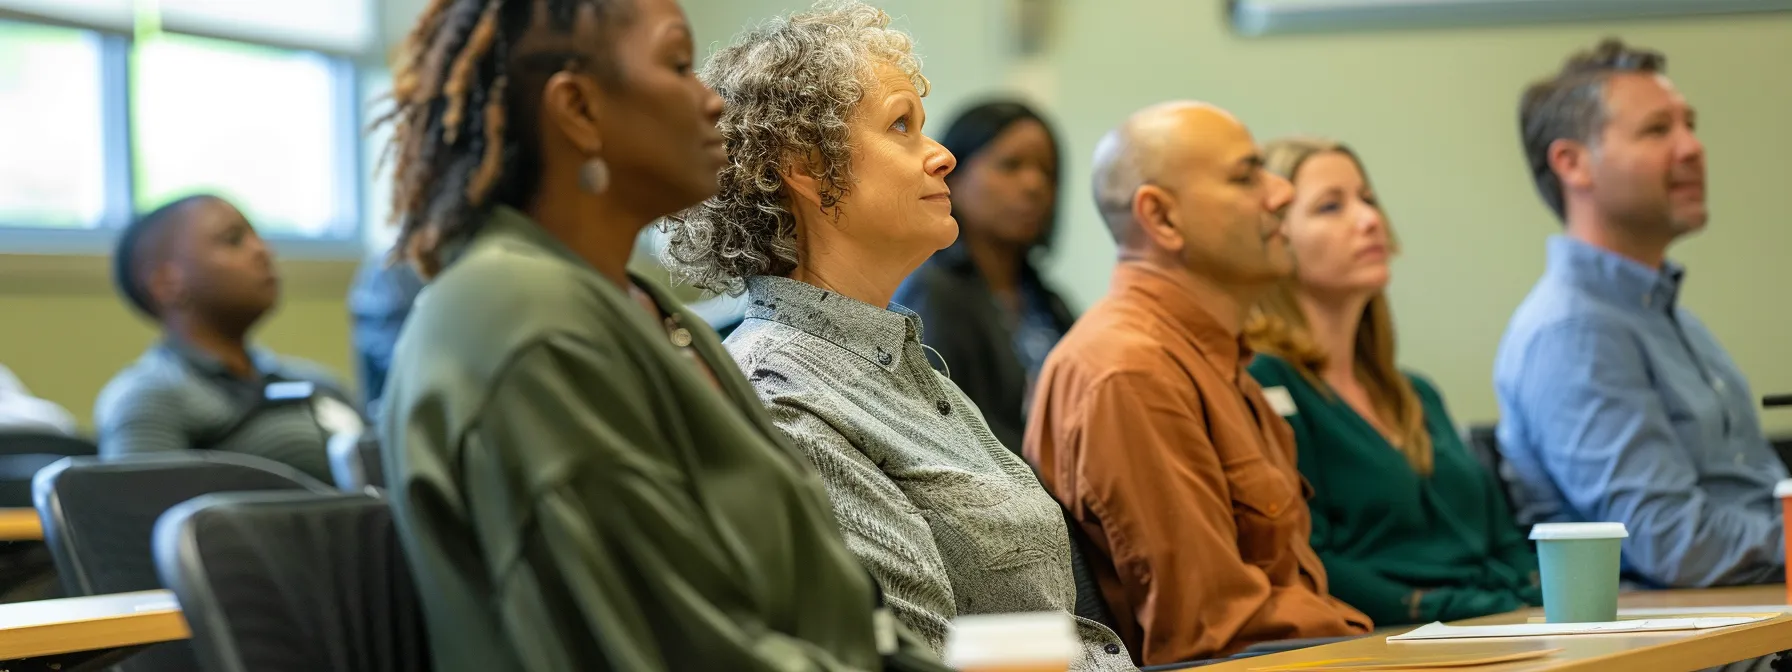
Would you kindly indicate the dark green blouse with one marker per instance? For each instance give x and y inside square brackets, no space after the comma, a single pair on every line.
[1400,547]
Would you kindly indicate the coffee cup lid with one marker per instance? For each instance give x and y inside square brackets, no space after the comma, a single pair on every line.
[1560,531]
[1784,489]
[997,639]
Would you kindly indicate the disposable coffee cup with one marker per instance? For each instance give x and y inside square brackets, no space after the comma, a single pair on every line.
[1579,563]
[1031,642]
[1784,492]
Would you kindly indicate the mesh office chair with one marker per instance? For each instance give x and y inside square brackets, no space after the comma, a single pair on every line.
[23,454]
[1484,442]
[1090,603]
[26,570]
[98,517]
[292,581]
[1782,444]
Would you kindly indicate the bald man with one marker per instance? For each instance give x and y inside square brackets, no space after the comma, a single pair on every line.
[1147,427]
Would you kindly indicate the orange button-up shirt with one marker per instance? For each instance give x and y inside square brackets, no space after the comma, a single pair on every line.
[1147,427]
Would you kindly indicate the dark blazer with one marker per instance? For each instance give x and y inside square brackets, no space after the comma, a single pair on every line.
[987,356]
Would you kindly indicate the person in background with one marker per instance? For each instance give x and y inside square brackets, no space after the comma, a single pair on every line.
[949,520]
[378,302]
[27,572]
[1146,425]
[580,477]
[21,412]
[1616,403]
[197,269]
[990,317]
[1411,527]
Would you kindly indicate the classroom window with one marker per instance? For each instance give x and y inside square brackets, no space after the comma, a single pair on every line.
[110,108]
[51,127]
[260,126]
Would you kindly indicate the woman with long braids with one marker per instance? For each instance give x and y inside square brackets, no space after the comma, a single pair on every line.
[581,477]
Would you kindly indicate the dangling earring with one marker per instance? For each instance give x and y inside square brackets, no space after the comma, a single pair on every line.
[594,175]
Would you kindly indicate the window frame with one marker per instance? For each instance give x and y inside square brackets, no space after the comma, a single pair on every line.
[1251,18]
[120,166]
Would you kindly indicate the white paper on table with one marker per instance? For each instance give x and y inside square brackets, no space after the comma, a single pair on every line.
[1701,611]
[1441,631]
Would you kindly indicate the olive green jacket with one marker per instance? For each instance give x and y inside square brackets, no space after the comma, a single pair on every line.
[574,494]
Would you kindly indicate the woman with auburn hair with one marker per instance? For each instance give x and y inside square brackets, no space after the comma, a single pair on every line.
[1409,524]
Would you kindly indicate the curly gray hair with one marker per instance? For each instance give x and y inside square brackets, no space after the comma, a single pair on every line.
[792,86]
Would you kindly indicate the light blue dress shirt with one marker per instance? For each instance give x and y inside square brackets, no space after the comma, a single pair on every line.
[1616,404]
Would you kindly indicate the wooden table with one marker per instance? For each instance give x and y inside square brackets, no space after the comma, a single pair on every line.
[20,525]
[97,623]
[1684,650]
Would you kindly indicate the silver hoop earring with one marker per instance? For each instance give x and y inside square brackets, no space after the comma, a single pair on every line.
[594,175]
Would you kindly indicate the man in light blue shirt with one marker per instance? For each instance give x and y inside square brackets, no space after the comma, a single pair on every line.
[1616,403]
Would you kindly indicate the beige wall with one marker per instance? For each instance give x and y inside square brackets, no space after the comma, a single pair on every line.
[1433,114]
[961,42]
[64,331]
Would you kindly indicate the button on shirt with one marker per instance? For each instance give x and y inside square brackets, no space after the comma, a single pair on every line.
[994,353]
[947,519]
[1164,449]
[1618,405]
[179,398]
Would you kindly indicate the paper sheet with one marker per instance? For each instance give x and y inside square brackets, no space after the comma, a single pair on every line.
[1641,614]
[1407,662]
[1441,631]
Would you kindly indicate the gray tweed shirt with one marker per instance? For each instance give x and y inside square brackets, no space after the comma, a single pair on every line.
[947,519]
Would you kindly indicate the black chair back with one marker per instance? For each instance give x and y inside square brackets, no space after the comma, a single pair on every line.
[98,517]
[355,463]
[26,571]
[1090,602]
[23,454]
[1783,447]
[293,581]
[1484,442]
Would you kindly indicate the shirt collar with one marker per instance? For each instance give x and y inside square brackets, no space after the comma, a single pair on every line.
[266,364]
[1172,297]
[507,225]
[1614,277]
[875,334]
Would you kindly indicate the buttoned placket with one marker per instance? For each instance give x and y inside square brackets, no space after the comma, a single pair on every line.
[1710,377]
[924,374]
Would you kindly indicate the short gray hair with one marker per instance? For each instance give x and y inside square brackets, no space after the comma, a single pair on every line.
[1571,106]
[792,87]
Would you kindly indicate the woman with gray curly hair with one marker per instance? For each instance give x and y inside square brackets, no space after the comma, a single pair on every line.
[831,197]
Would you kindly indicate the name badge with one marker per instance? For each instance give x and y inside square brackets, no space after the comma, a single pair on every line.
[1280,400]
[290,390]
